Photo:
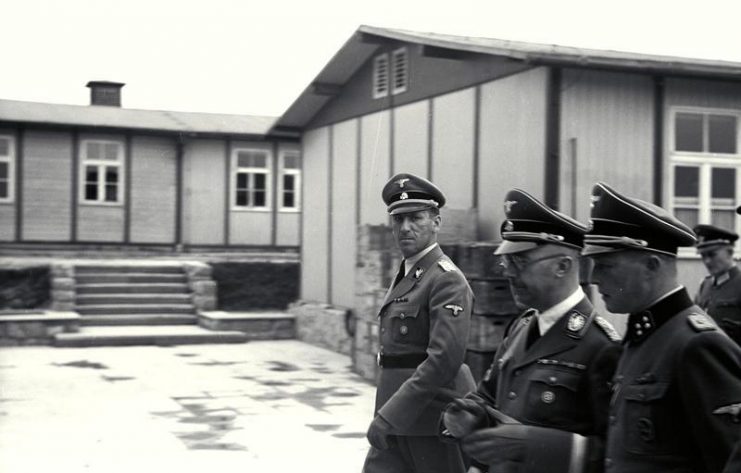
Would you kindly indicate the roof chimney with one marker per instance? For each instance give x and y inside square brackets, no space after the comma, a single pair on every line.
[105,93]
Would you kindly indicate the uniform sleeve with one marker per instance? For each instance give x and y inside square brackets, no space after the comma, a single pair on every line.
[734,463]
[445,351]
[710,385]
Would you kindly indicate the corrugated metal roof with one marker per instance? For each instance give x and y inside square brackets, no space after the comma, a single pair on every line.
[133,119]
[355,52]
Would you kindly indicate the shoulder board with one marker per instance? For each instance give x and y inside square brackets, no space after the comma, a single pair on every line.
[607,327]
[700,322]
[446,265]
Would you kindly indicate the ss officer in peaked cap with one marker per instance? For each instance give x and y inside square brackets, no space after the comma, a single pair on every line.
[542,406]
[677,389]
[720,291]
[424,323]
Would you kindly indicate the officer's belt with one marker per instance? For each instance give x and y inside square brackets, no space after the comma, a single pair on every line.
[408,360]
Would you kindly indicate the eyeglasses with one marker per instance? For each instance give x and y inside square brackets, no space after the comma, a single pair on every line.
[519,263]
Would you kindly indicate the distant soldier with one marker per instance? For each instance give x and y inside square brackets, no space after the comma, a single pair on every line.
[676,400]
[542,406]
[424,324]
[720,292]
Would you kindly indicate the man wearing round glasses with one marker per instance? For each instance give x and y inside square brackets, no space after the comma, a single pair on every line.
[542,406]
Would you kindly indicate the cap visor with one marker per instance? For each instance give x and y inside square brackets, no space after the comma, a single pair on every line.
[712,246]
[408,207]
[509,247]
[592,250]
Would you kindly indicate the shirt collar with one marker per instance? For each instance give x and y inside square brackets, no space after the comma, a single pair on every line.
[725,277]
[412,260]
[547,318]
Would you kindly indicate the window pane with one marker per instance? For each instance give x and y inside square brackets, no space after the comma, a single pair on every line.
[91,174]
[242,198]
[724,183]
[244,159]
[111,151]
[686,181]
[259,198]
[110,192]
[688,216]
[259,181]
[289,182]
[724,218]
[111,175]
[242,180]
[722,134]
[3,190]
[251,159]
[260,160]
[91,192]
[290,161]
[688,132]
[289,200]
[4,147]
[93,151]
[3,170]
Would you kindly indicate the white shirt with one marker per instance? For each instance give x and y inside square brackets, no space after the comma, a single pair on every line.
[547,318]
[413,260]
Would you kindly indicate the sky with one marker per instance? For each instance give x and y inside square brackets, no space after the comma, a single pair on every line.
[249,57]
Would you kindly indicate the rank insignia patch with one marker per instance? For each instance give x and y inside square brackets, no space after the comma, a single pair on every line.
[732,410]
[700,322]
[418,273]
[446,265]
[454,308]
[576,322]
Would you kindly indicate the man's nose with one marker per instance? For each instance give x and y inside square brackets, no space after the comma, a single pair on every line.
[406,224]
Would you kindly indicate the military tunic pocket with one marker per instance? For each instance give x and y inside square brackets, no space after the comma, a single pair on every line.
[647,419]
[553,397]
[406,325]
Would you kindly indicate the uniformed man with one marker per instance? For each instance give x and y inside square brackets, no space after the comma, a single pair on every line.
[720,291]
[424,324]
[542,406]
[677,389]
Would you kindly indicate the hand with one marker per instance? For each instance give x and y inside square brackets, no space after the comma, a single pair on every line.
[463,416]
[505,443]
[378,433]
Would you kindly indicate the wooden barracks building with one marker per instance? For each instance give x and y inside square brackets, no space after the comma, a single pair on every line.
[477,116]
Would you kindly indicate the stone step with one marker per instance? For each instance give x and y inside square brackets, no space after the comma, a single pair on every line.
[140,288]
[117,309]
[164,335]
[128,268]
[131,299]
[140,278]
[138,319]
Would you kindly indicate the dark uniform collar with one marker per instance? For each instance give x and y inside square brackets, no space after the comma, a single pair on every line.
[725,277]
[642,324]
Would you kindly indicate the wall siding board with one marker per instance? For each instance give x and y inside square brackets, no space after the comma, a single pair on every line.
[606,134]
[344,230]
[511,143]
[203,192]
[153,190]
[374,167]
[7,222]
[410,138]
[101,223]
[315,234]
[452,147]
[47,162]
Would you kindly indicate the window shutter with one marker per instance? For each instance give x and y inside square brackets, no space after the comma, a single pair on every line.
[401,71]
[381,76]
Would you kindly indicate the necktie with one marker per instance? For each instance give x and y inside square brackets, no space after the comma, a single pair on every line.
[400,274]
[533,333]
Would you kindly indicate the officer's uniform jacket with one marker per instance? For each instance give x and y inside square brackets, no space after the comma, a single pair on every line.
[676,393]
[721,299]
[427,313]
[560,382]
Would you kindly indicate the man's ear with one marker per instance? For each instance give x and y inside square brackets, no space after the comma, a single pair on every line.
[653,263]
[438,220]
[564,265]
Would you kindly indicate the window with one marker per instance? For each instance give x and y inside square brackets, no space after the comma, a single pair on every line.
[381,76]
[251,179]
[705,164]
[401,71]
[392,77]
[7,168]
[290,181]
[102,171]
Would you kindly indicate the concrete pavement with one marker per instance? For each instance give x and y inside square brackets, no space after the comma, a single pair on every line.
[261,406]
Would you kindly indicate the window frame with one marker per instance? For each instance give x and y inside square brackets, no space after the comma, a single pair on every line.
[10,159]
[101,164]
[705,161]
[236,169]
[297,173]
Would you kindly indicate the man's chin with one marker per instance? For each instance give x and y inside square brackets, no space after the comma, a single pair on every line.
[408,247]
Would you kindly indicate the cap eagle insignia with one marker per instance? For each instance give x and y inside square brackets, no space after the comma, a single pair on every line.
[402,181]
[508,205]
[454,308]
